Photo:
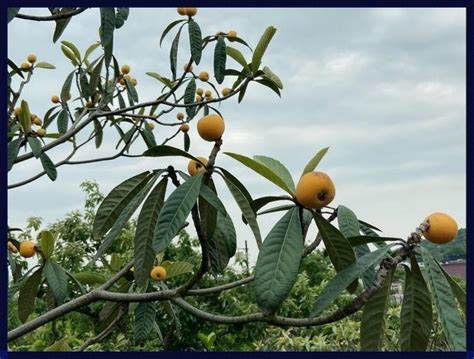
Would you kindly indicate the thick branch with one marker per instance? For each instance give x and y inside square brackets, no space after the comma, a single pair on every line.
[64,15]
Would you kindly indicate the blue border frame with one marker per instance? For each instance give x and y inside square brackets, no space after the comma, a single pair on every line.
[256,3]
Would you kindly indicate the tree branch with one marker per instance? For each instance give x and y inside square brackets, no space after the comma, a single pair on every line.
[64,15]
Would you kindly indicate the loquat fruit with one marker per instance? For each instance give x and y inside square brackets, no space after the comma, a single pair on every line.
[315,190]
[211,127]
[195,167]
[27,249]
[442,228]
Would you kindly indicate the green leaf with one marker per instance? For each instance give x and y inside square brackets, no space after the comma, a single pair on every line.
[337,246]
[244,204]
[73,48]
[258,203]
[115,202]
[121,16]
[237,56]
[107,27]
[270,84]
[278,168]
[211,197]
[47,243]
[451,322]
[262,170]
[165,151]
[207,212]
[59,346]
[458,292]
[358,240]
[27,295]
[66,89]
[349,227]
[57,280]
[91,49]
[95,76]
[187,141]
[195,40]
[99,133]
[220,60]
[273,77]
[345,277]
[313,163]
[35,146]
[189,94]
[229,176]
[63,120]
[222,244]
[261,47]
[278,262]
[45,65]
[131,90]
[416,318]
[49,167]
[126,214]
[175,211]
[148,137]
[276,209]
[13,149]
[372,324]
[12,11]
[62,23]
[162,79]
[174,269]
[144,320]
[144,254]
[15,68]
[168,28]
[70,55]
[25,117]
[90,278]
[174,54]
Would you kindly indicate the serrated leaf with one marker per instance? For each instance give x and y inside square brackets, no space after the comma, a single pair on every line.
[174,54]
[261,170]
[239,193]
[451,322]
[66,89]
[211,197]
[220,60]
[278,262]
[144,254]
[337,246]
[49,167]
[261,47]
[222,244]
[416,318]
[313,163]
[372,325]
[126,214]
[195,40]
[458,292]
[115,202]
[35,146]
[57,280]
[63,120]
[47,243]
[27,295]
[189,94]
[165,151]
[175,211]
[13,149]
[207,212]
[121,16]
[278,168]
[345,277]
[144,320]
[45,65]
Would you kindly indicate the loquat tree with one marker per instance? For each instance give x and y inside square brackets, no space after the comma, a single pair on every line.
[100,92]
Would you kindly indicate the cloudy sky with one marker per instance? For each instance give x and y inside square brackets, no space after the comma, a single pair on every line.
[384,88]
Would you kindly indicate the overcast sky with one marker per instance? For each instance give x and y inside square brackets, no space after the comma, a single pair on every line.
[384,88]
